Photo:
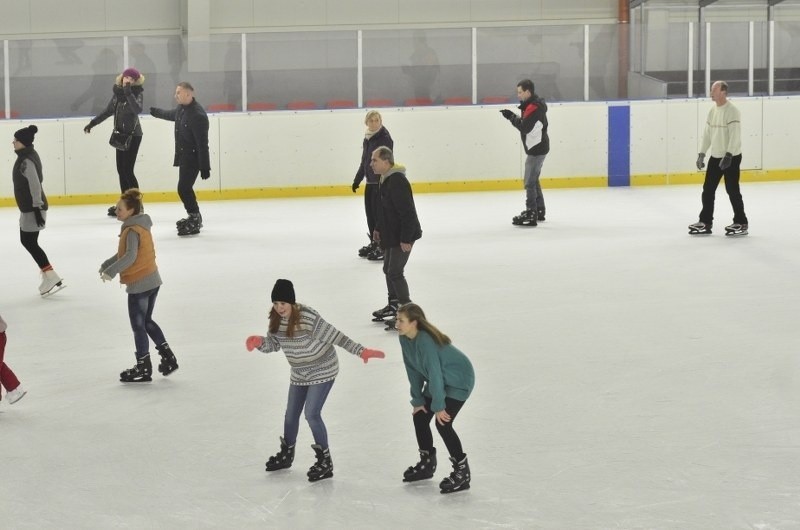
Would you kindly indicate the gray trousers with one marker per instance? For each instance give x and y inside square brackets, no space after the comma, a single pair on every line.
[534,200]
[394,264]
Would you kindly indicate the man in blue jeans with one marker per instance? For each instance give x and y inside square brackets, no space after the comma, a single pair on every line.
[396,230]
[532,126]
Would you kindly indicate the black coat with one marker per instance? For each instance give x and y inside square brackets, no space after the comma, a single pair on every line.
[22,188]
[125,105]
[532,125]
[380,138]
[191,134]
[397,216]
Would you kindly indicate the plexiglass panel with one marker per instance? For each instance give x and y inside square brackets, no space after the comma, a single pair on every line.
[551,56]
[302,70]
[417,67]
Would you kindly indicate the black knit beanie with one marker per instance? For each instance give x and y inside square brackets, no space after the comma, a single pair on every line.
[25,135]
[283,292]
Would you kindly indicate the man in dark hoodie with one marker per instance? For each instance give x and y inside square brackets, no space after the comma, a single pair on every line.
[396,230]
[191,152]
[532,125]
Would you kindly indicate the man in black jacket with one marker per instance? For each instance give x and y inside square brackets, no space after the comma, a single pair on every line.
[532,126]
[191,152]
[396,230]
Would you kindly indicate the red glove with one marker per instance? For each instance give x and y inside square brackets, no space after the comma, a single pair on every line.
[368,354]
[253,342]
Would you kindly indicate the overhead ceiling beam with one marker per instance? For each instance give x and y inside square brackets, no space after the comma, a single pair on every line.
[706,3]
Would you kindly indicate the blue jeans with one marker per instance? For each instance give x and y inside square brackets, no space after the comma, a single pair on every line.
[533,190]
[140,311]
[312,397]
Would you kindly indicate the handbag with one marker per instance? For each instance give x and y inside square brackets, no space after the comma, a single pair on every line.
[120,140]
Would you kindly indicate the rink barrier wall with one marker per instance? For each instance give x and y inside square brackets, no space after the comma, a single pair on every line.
[445,149]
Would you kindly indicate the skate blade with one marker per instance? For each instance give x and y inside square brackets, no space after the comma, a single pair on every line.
[54,290]
[736,234]
[695,233]
[320,477]
[142,380]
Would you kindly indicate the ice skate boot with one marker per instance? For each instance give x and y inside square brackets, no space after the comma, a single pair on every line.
[386,312]
[391,324]
[51,283]
[736,229]
[112,211]
[191,225]
[16,394]
[168,362]
[283,459]
[459,479]
[364,251]
[699,228]
[540,215]
[424,469]
[140,373]
[376,254]
[525,218]
[323,468]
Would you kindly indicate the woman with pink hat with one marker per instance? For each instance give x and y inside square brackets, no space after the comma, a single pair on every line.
[125,105]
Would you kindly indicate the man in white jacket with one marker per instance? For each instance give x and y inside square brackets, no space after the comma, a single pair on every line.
[723,137]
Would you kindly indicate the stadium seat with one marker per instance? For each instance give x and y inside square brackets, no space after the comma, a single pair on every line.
[261,105]
[458,101]
[341,104]
[221,107]
[379,102]
[494,100]
[419,102]
[301,104]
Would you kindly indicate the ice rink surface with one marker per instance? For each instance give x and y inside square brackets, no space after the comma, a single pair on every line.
[628,376]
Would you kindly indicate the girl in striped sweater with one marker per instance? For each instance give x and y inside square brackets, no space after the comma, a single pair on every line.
[308,342]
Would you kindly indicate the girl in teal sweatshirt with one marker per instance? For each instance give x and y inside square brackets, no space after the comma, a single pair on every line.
[441,379]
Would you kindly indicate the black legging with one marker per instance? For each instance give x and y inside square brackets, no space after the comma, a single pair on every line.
[125,162]
[422,426]
[30,240]
[371,200]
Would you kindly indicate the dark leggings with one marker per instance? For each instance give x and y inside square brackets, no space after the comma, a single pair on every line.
[422,426]
[125,162]
[371,200]
[30,240]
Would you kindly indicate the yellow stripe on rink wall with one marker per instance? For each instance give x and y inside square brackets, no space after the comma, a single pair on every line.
[419,187]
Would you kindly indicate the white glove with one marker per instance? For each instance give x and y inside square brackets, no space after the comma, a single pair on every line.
[105,277]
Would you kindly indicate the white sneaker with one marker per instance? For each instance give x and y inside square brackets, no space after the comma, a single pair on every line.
[49,280]
[16,394]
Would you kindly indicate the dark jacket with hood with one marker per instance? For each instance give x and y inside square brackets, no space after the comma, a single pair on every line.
[27,177]
[397,216]
[532,125]
[125,105]
[191,134]
[380,138]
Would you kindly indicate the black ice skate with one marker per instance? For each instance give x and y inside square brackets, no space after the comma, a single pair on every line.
[376,254]
[140,373]
[323,468]
[459,479]
[525,218]
[112,211]
[424,469]
[391,324]
[699,228]
[736,229]
[390,311]
[283,459]
[364,251]
[168,362]
[540,215]
[191,225]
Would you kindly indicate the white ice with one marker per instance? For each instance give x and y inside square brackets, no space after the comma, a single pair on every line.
[628,375]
